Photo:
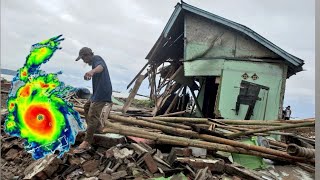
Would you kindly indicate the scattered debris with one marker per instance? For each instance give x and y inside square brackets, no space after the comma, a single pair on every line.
[167,139]
[170,147]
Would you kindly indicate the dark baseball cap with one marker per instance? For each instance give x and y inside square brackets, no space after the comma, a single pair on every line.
[84,51]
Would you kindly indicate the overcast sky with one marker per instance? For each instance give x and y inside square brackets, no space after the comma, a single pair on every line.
[123,32]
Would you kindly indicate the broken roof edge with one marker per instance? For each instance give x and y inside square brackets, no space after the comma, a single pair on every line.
[169,24]
[296,62]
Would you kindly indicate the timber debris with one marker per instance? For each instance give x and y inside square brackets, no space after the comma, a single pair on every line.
[139,145]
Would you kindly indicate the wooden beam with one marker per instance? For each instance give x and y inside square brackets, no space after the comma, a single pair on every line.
[133,93]
[139,73]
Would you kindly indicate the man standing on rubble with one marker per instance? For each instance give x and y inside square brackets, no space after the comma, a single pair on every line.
[287,113]
[101,97]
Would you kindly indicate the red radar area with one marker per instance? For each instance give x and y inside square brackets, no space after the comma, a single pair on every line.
[39,120]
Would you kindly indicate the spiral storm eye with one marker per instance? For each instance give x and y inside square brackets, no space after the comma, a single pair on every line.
[40,117]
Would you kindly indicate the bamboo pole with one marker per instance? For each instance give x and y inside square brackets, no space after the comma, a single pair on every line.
[181,119]
[277,143]
[310,141]
[188,133]
[238,122]
[296,150]
[225,121]
[234,135]
[232,127]
[192,120]
[252,122]
[236,129]
[235,122]
[298,121]
[240,129]
[228,129]
[165,123]
[162,138]
[251,126]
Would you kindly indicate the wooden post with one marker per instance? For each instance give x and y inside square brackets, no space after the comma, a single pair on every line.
[132,93]
[308,124]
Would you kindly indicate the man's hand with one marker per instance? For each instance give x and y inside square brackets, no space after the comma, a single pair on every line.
[88,75]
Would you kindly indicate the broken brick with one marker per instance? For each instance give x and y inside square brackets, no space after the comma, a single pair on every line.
[104,176]
[74,160]
[53,167]
[151,164]
[109,153]
[48,165]
[41,176]
[17,160]
[11,154]
[118,175]
[185,152]
[90,165]
[122,153]
[215,165]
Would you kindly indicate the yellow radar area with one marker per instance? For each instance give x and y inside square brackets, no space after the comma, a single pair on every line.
[37,110]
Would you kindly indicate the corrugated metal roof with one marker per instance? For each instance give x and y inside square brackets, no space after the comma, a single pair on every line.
[295,62]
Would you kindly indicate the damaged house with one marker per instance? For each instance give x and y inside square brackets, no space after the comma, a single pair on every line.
[229,70]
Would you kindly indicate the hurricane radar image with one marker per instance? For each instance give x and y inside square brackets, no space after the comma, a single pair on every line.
[38,110]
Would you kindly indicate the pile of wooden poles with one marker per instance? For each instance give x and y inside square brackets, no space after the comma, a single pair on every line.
[214,134]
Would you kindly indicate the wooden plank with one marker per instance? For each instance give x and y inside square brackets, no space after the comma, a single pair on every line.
[243,173]
[133,93]
[154,83]
[137,75]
